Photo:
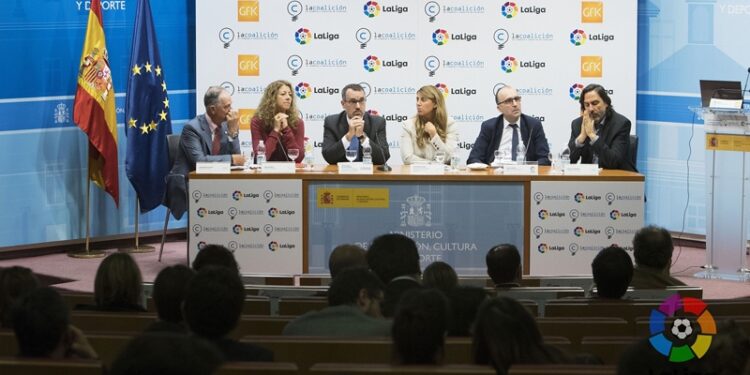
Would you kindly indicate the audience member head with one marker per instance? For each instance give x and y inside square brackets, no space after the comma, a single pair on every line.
[505,333]
[169,292]
[504,264]
[393,255]
[652,247]
[346,256]
[730,349]
[359,287]
[167,354]
[419,327]
[430,108]
[215,255]
[118,282]
[613,271]
[464,303]
[278,97]
[641,358]
[440,275]
[14,282]
[213,301]
[40,322]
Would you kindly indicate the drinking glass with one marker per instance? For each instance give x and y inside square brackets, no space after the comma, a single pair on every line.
[293,154]
[351,155]
[440,157]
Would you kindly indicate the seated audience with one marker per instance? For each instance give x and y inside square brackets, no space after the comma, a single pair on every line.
[504,266]
[430,131]
[14,282]
[354,309]
[419,328]
[278,124]
[652,249]
[464,303]
[169,294]
[41,323]
[167,354]
[215,255]
[612,269]
[118,285]
[441,276]
[212,309]
[394,258]
[346,256]
[506,334]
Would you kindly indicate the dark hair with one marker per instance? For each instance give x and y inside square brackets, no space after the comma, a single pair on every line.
[213,302]
[503,264]
[505,333]
[118,282]
[440,275]
[351,86]
[601,91]
[613,271]
[346,256]
[419,327]
[215,255]
[652,247]
[40,320]
[14,282]
[464,303]
[167,354]
[170,287]
[393,255]
[345,287]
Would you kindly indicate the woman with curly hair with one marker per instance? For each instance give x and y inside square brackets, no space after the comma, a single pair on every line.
[277,123]
[430,131]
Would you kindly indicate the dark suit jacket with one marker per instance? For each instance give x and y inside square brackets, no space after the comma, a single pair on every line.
[532,135]
[611,147]
[335,126]
[195,146]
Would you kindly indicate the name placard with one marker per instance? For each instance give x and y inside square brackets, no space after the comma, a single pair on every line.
[581,169]
[427,168]
[520,169]
[208,167]
[277,167]
[355,168]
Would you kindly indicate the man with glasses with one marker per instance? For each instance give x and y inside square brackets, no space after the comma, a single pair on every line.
[600,135]
[354,129]
[504,132]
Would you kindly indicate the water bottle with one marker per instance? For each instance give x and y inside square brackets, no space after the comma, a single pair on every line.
[555,160]
[367,154]
[260,156]
[309,158]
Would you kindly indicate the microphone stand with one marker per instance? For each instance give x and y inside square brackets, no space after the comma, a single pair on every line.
[385,167]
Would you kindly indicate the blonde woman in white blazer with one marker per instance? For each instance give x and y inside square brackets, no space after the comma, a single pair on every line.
[431,130]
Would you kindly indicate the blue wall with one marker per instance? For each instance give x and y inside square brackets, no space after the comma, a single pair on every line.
[42,176]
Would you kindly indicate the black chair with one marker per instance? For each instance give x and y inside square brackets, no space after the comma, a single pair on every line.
[633,150]
[173,144]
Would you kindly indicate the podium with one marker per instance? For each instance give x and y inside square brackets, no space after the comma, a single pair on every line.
[727,191]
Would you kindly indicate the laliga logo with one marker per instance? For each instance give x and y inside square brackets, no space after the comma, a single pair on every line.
[575,91]
[372,9]
[443,89]
[578,37]
[303,90]
[273,212]
[578,231]
[543,214]
[273,246]
[680,346]
[237,229]
[237,195]
[614,214]
[509,64]
[542,248]
[303,36]
[201,212]
[509,10]
[440,37]
[579,197]
[372,63]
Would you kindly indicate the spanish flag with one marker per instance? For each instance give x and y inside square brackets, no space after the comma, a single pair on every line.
[94,105]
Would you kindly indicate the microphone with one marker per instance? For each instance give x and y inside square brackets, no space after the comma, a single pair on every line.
[385,167]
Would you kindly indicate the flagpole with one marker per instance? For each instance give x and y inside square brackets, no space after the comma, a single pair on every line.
[137,248]
[87,253]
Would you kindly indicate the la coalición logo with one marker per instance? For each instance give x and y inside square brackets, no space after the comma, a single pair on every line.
[681,328]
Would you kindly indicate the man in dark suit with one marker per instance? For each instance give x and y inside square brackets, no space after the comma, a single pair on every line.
[354,128]
[502,132]
[211,137]
[601,135]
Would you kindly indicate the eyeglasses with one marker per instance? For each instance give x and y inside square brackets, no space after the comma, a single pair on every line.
[510,101]
[356,101]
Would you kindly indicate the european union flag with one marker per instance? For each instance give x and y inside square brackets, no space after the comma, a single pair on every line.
[147,114]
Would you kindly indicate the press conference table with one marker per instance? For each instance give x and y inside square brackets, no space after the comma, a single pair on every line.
[289,223]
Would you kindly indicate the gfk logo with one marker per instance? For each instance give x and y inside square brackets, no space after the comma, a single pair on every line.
[245,116]
[591,66]
[592,12]
[248,65]
[248,11]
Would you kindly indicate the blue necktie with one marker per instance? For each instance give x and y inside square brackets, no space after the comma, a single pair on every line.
[354,144]
[514,142]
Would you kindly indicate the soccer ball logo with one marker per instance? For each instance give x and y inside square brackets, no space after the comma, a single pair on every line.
[684,340]
[681,328]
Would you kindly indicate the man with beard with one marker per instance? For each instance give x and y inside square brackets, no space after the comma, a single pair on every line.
[601,135]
